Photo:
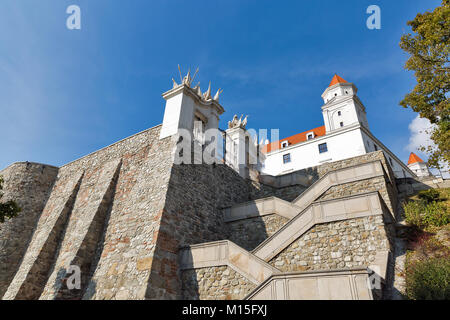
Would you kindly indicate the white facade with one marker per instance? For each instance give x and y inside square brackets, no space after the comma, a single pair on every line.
[346,135]
[307,154]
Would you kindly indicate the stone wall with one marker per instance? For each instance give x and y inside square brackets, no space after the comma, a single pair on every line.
[28,184]
[214,283]
[260,190]
[368,157]
[336,245]
[385,186]
[362,186]
[110,202]
[192,214]
[249,233]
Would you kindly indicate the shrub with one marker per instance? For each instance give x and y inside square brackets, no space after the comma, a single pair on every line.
[429,280]
[424,215]
[429,195]
[413,211]
[436,214]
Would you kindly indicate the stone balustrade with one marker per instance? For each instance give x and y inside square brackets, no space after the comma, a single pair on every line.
[260,207]
[344,284]
[271,205]
[225,253]
[362,205]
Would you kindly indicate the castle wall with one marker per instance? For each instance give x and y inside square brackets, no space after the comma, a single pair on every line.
[28,184]
[214,283]
[103,214]
[192,214]
[249,233]
[260,190]
[362,186]
[385,186]
[336,245]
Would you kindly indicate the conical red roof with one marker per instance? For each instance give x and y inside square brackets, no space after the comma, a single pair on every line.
[413,158]
[336,79]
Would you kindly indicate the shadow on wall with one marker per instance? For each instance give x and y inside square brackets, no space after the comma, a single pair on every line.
[249,233]
[190,286]
[191,215]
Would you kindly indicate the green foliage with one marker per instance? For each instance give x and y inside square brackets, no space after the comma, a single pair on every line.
[424,215]
[436,214]
[429,195]
[429,49]
[413,212]
[8,209]
[429,279]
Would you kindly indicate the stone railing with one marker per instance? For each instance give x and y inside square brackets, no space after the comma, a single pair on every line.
[302,177]
[336,177]
[287,209]
[362,205]
[260,207]
[345,284]
[225,252]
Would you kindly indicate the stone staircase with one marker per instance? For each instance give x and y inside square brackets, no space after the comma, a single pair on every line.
[346,284]
[361,205]
[303,213]
[271,205]
[225,252]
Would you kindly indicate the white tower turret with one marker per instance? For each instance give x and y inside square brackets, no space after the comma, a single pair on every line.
[342,106]
[186,106]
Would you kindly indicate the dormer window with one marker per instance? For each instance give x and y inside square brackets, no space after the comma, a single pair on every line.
[310,136]
[284,144]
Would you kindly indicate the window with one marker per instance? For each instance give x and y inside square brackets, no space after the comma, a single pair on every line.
[310,136]
[390,161]
[346,92]
[375,147]
[341,123]
[284,144]
[323,148]
[286,158]
[339,113]
[335,94]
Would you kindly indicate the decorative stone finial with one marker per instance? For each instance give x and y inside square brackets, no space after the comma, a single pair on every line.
[207,94]
[187,80]
[216,97]
[237,123]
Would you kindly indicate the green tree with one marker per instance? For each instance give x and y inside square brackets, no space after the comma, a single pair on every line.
[8,209]
[429,48]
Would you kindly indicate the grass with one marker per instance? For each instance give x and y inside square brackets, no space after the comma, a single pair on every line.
[428,258]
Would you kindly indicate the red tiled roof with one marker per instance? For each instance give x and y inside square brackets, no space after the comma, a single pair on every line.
[297,138]
[336,79]
[413,158]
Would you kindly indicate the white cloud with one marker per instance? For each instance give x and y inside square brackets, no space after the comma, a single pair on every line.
[419,129]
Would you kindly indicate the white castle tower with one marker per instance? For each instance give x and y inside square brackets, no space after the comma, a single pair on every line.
[342,106]
[418,166]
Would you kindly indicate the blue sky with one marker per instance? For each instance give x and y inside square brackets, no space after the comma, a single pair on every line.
[66,93]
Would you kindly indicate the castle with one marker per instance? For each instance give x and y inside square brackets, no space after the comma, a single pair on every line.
[148,217]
